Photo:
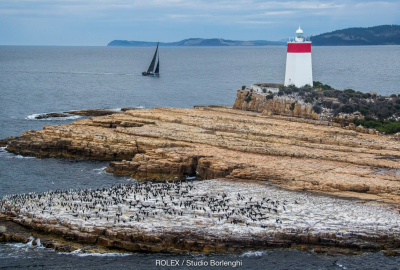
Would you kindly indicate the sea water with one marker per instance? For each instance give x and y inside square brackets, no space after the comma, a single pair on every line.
[36,80]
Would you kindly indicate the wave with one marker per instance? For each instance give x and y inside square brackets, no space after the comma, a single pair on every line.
[101,170]
[254,253]
[341,265]
[43,117]
[29,244]
[79,253]
[5,154]
[19,156]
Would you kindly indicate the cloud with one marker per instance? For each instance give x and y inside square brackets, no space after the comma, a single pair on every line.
[235,19]
[215,7]
[283,12]
[257,22]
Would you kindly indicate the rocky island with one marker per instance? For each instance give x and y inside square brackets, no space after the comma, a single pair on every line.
[270,172]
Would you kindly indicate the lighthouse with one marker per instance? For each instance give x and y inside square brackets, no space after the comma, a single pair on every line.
[298,61]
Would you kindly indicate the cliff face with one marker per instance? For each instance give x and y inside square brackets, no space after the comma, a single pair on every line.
[248,100]
[251,101]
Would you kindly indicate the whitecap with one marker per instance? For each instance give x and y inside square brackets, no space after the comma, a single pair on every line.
[253,254]
[79,253]
[38,243]
[29,244]
[119,109]
[5,154]
[16,245]
[100,171]
[19,156]
[341,265]
[33,116]
[103,254]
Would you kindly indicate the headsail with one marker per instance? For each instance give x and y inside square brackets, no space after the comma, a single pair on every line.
[153,62]
[157,67]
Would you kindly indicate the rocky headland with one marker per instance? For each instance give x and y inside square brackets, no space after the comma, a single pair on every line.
[345,182]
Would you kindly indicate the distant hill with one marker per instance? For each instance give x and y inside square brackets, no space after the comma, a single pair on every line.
[196,42]
[377,35]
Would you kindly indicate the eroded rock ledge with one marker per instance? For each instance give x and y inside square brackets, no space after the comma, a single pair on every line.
[220,142]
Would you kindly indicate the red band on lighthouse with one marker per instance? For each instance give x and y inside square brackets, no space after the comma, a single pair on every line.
[299,48]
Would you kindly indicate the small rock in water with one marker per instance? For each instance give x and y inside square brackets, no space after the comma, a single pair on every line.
[50,115]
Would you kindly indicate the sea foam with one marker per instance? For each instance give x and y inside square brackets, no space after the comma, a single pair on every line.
[35,115]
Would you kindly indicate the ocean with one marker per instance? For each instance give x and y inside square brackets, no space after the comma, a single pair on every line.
[36,80]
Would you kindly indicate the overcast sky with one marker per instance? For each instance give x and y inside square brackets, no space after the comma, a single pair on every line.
[97,22]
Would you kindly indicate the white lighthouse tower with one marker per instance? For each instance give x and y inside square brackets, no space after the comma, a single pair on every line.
[298,61]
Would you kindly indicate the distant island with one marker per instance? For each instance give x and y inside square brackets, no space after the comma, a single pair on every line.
[196,42]
[377,35]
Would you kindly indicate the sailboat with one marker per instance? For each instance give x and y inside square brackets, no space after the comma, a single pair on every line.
[151,71]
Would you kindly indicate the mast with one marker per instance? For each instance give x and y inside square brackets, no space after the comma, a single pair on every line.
[153,62]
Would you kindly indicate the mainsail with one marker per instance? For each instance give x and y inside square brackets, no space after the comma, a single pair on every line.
[153,62]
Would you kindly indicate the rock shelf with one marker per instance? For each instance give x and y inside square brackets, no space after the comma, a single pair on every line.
[205,216]
[283,182]
[212,142]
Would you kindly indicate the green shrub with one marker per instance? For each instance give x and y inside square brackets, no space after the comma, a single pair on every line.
[327,104]
[270,96]
[309,100]
[324,87]
[366,95]
[248,98]
[391,127]
[317,109]
[335,105]
[243,87]
[349,91]
[386,126]
[347,108]
[287,91]
[292,106]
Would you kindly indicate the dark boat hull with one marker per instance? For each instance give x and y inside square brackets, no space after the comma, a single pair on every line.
[150,74]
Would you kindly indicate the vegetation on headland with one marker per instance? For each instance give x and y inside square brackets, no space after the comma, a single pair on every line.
[372,110]
[387,126]
[376,35]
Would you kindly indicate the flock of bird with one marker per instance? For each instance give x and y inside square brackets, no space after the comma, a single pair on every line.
[140,202]
[217,206]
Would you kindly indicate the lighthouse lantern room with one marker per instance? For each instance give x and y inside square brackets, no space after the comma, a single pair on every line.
[298,61]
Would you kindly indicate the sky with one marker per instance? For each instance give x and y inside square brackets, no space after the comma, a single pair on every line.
[97,22]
